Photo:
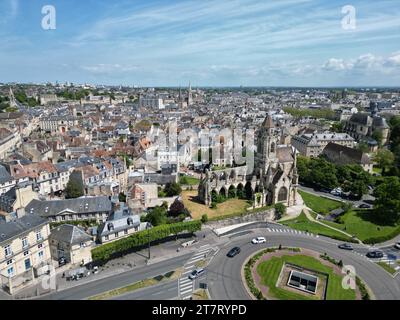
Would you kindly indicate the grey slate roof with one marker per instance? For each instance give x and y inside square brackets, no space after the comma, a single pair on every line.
[78,205]
[18,227]
[4,175]
[69,234]
[119,220]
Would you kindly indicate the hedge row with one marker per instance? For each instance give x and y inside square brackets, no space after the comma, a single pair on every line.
[363,289]
[107,251]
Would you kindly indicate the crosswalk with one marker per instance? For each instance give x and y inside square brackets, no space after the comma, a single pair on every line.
[293,231]
[185,285]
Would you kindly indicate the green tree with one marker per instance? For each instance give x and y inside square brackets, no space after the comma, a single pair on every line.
[204,218]
[157,216]
[280,210]
[122,197]
[73,189]
[387,202]
[172,189]
[385,159]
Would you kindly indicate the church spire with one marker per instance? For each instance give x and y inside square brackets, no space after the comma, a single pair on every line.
[268,122]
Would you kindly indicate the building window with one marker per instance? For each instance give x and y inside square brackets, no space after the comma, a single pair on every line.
[7,250]
[10,272]
[116,234]
[27,264]
[125,231]
[40,246]
[282,195]
[39,235]
[26,253]
[24,242]
[106,238]
[41,254]
[9,262]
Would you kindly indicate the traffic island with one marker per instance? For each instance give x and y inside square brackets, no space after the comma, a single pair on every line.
[299,274]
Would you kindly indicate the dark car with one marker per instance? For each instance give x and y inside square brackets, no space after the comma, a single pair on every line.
[62,261]
[233,252]
[345,246]
[364,206]
[375,254]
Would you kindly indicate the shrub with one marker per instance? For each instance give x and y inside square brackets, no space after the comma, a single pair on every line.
[204,218]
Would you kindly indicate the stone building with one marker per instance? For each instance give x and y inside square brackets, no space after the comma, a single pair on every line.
[361,126]
[273,180]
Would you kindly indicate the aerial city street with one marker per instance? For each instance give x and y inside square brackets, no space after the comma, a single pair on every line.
[200,150]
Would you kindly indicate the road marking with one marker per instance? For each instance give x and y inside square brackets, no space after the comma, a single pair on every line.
[195,260]
[186,291]
[269,229]
[205,245]
[184,280]
[189,267]
[186,286]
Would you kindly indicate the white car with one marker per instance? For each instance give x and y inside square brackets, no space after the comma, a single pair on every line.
[258,240]
[397,245]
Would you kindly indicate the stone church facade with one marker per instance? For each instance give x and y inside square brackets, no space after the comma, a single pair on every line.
[273,180]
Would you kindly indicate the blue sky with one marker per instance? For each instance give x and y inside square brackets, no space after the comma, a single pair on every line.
[215,43]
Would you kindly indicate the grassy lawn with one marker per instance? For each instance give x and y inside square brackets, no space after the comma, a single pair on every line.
[229,207]
[192,181]
[319,204]
[302,223]
[356,222]
[200,294]
[388,268]
[269,272]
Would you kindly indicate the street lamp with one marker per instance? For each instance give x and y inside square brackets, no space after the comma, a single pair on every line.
[148,237]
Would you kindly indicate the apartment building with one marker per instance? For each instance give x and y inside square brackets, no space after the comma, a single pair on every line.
[312,145]
[24,251]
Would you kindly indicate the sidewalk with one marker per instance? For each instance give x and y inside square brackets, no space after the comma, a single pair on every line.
[113,267]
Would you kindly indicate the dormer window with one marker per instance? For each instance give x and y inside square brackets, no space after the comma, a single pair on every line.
[110,227]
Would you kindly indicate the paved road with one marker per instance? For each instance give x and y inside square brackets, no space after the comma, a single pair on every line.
[163,291]
[224,274]
[120,280]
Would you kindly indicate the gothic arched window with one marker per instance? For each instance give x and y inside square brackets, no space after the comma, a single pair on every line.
[273,147]
[282,195]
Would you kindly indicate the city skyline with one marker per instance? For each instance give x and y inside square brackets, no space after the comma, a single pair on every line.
[219,43]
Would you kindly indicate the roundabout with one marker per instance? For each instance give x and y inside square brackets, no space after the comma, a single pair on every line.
[225,275]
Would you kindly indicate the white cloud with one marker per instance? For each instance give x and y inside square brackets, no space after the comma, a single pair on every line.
[365,63]
[334,64]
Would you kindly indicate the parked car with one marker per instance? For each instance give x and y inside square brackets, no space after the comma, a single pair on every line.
[62,261]
[345,246]
[397,245]
[196,273]
[375,254]
[364,206]
[258,240]
[233,252]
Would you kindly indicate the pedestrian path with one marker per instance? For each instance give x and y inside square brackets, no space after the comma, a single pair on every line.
[292,231]
[185,285]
